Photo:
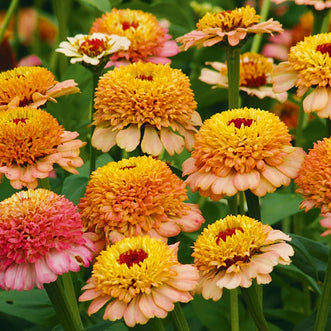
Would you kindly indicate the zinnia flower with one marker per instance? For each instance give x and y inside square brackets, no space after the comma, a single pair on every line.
[31,141]
[235,250]
[147,97]
[31,86]
[317,4]
[137,196]
[150,42]
[255,71]
[91,49]
[242,149]
[41,237]
[308,66]
[314,179]
[229,27]
[143,277]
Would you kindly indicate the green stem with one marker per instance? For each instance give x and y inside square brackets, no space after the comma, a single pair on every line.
[9,14]
[324,300]
[234,309]
[232,204]
[155,324]
[64,310]
[44,183]
[179,318]
[96,75]
[258,37]
[233,66]
[321,21]
[253,205]
[299,129]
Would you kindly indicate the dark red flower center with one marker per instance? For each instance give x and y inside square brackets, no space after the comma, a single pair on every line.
[238,122]
[143,77]
[93,47]
[127,25]
[20,120]
[128,167]
[227,233]
[324,48]
[132,257]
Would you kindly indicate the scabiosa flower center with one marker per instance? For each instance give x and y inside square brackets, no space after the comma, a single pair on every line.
[324,48]
[238,122]
[132,256]
[93,47]
[127,25]
[223,235]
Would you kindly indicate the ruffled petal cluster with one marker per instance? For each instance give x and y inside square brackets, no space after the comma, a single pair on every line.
[41,237]
[242,149]
[31,141]
[32,87]
[255,71]
[146,104]
[150,41]
[137,196]
[138,278]
[308,67]
[92,49]
[317,4]
[235,250]
[229,27]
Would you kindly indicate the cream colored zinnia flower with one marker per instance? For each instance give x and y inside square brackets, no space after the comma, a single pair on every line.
[235,250]
[138,278]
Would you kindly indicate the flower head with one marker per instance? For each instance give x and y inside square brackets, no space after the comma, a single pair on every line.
[41,237]
[142,197]
[242,149]
[308,67]
[229,27]
[235,250]
[149,40]
[143,277]
[152,98]
[317,4]
[92,49]
[31,141]
[31,86]
[255,71]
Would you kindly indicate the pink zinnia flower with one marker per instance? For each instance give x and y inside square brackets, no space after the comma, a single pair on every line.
[41,237]
[138,278]
[137,196]
[235,250]
[317,4]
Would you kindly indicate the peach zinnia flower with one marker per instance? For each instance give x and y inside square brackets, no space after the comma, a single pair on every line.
[255,70]
[147,97]
[242,149]
[308,66]
[31,86]
[235,250]
[314,180]
[150,42]
[41,237]
[137,196]
[229,27]
[31,141]
[143,277]
[317,4]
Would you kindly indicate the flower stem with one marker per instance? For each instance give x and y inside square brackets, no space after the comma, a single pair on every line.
[9,14]
[253,205]
[258,37]
[299,128]
[65,311]
[96,75]
[155,324]
[44,183]
[234,309]
[324,300]
[233,66]
[179,318]
[321,21]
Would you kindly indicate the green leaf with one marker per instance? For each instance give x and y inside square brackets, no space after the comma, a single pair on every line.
[102,5]
[74,188]
[277,206]
[33,306]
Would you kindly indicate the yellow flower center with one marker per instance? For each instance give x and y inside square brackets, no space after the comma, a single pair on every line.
[23,82]
[240,139]
[144,93]
[131,193]
[27,134]
[228,241]
[229,20]
[133,266]
[93,47]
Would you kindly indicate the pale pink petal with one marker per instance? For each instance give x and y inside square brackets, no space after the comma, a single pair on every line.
[188,166]
[162,301]
[89,294]
[59,262]
[224,185]
[133,315]
[43,272]
[173,294]
[190,222]
[66,87]
[171,141]
[283,77]
[275,177]
[292,162]
[210,290]
[316,100]
[186,272]
[115,310]
[149,307]
[97,304]
[169,48]
[129,138]
[245,181]
[264,187]
[151,143]
[213,78]
[168,229]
